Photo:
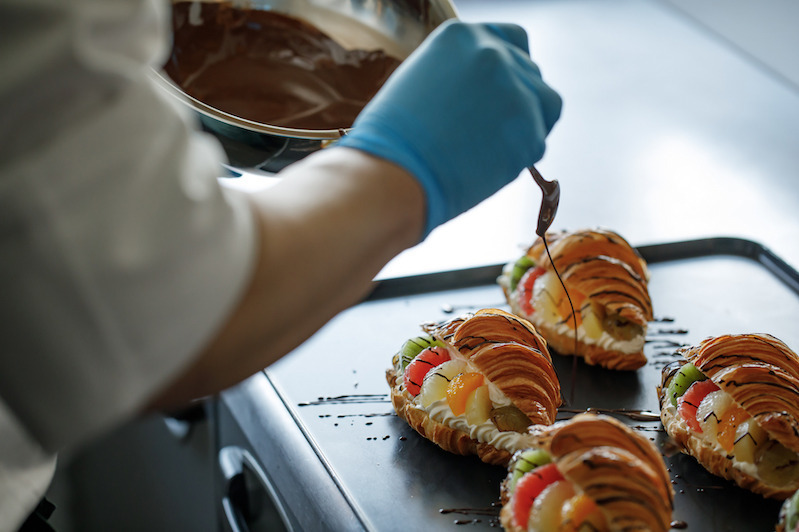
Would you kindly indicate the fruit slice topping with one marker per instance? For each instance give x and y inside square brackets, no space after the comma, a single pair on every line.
[581,513]
[414,346]
[748,437]
[710,411]
[682,380]
[524,292]
[509,418]
[526,461]
[478,406]
[528,488]
[459,390]
[776,464]
[728,426]
[520,267]
[421,365]
[434,386]
[688,403]
[545,514]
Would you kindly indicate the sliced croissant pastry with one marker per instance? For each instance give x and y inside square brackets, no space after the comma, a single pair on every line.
[591,472]
[606,280]
[475,384]
[733,404]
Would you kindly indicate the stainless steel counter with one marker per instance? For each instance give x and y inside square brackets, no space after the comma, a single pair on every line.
[668,133]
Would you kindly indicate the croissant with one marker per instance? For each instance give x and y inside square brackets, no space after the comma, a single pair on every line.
[606,280]
[733,404]
[475,384]
[591,472]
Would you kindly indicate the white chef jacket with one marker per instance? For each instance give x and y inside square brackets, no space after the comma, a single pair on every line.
[120,254]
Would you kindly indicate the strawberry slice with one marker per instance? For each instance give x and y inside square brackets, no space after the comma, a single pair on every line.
[689,401]
[421,365]
[529,487]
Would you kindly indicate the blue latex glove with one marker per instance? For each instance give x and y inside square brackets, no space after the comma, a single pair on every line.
[465,113]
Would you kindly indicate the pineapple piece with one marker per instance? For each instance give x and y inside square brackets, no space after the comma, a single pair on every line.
[545,516]
[546,297]
[434,386]
[478,406]
[592,324]
[710,411]
[748,436]
[776,464]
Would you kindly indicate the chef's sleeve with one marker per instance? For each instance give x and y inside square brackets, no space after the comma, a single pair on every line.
[120,254]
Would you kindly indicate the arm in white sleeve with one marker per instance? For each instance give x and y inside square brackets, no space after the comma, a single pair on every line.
[129,278]
[120,253]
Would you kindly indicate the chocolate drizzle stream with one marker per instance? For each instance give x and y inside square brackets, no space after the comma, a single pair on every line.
[574,321]
[271,68]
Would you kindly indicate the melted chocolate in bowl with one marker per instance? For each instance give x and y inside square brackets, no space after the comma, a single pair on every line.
[271,68]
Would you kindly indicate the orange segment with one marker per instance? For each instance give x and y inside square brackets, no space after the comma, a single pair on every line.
[734,416]
[577,299]
[459,389]
[579,511]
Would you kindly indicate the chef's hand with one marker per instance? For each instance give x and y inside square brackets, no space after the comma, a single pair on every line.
[464,114]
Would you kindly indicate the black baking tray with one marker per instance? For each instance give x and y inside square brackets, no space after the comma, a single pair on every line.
[334,389]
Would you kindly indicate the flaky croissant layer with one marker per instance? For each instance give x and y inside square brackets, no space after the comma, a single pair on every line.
[491,379]
[733,404]
[603,314]
[616,477]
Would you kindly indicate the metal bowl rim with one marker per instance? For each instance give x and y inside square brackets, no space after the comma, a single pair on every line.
[161,77]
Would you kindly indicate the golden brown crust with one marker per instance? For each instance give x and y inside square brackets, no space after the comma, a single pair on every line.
[716,462]
[601,268]
[510,354]
[593,354]
[759,372]
[614,465]
[524,375]
[572,246]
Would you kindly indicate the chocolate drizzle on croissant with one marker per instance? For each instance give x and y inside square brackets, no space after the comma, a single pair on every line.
[510,355]
[610,278]
[761,376]
[615,466]
[760,373]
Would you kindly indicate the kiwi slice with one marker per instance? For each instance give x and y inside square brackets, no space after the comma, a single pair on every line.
[526,461]
[414,346]
[682,380]
[521,265]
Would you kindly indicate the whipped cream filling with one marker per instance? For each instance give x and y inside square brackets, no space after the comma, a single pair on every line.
[606,341]
[747,467]
[485,432]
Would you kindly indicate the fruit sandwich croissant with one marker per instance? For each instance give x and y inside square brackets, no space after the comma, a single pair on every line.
[589,473]
[733,404]
[475,384]
[606,280]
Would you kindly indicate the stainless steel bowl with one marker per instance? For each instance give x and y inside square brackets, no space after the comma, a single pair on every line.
[395,26]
